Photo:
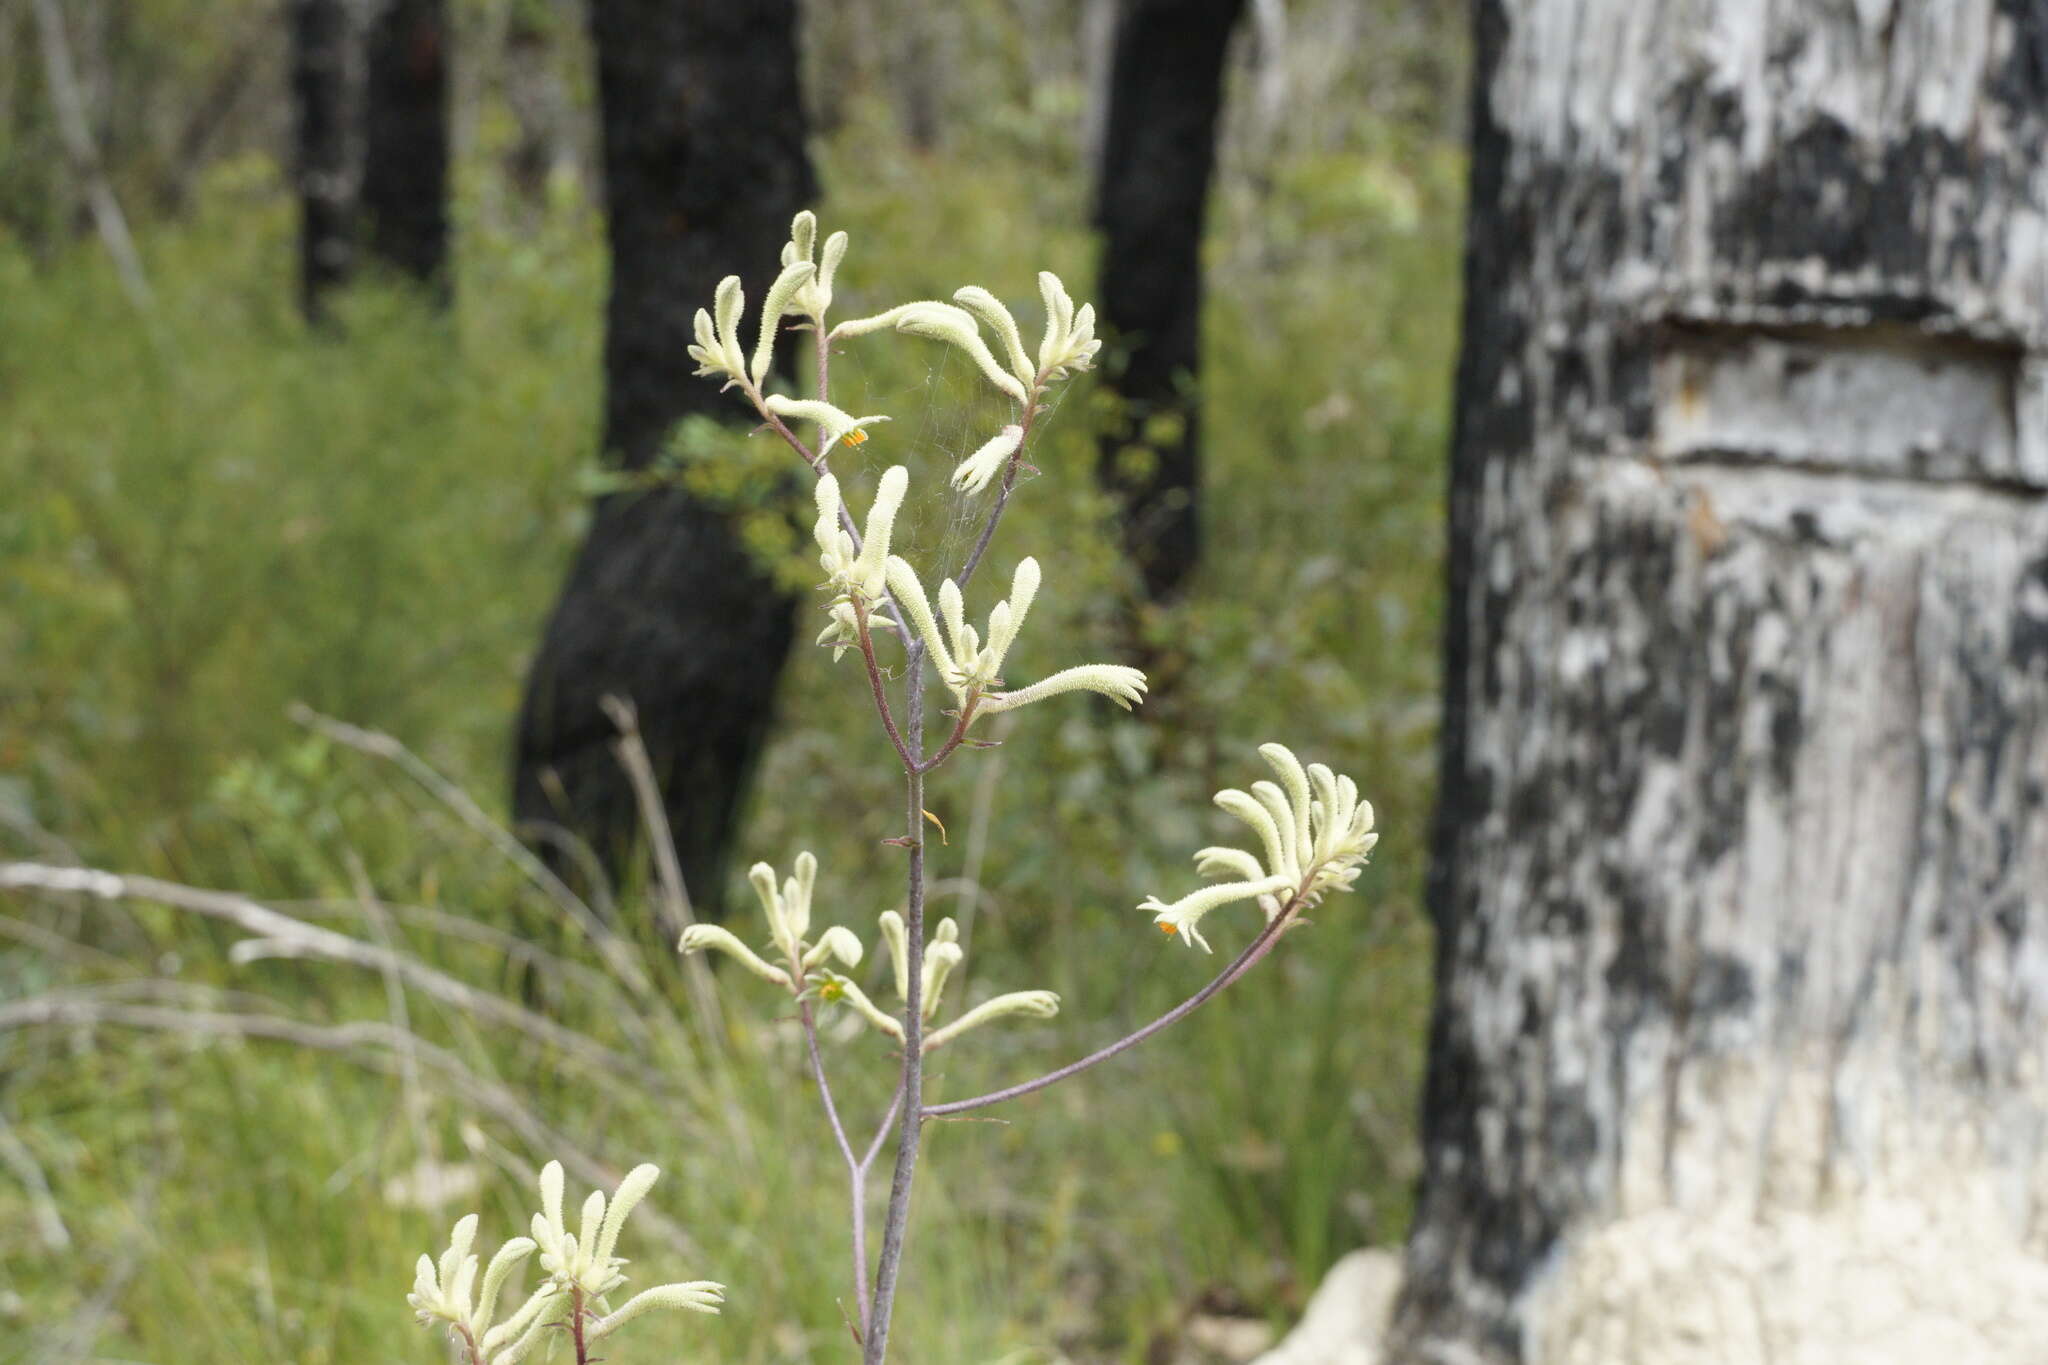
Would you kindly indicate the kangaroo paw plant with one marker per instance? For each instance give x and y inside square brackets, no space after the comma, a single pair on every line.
[574,1301]
[1313,829]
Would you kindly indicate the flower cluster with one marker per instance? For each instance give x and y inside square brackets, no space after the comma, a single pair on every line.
[582,1272]
[1316,833]
[813,298]
[972,670]
[856,577]
[1068,345]
[788,909]
[941,956]
[717,347]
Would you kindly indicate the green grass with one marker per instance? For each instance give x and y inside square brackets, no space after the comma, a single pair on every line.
[212,514]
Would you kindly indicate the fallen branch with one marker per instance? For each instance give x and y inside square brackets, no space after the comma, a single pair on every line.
[280,936]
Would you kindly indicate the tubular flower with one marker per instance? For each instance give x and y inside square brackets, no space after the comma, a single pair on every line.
[1315,833]
[1069,342]
[583,1264]
[977,469]
[1031,1004]
[955,327]
[1120,683]
[840,990]
[447,1293]
[941,956]
[788,908]
[813,298]
[793,277]
[717,351]
[842,631]
[835,424]
[856,577]
[850,572]
[990,310]
[972,671]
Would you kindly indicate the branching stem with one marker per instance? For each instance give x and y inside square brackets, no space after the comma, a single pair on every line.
[867,654]
[988,532]
[875,1343]
[856,1171]
[1243,963]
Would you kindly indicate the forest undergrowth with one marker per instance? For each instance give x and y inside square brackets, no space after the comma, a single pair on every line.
[210,515]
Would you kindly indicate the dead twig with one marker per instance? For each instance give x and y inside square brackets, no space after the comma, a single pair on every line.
[74,130]
[675,913]
[380,745]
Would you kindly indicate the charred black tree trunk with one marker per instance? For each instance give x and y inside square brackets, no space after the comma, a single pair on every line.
[704,165]
[1159,150]
[405,140]
[1742,857]
[320,162]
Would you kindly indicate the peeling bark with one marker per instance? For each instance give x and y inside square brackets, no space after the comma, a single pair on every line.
[1745,748]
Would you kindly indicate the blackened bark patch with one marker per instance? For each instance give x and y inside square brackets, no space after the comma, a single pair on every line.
[1159,149]
[704,164]
[405,140]
[320,151]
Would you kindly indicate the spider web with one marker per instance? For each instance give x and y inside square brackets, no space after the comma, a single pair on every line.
[941,409]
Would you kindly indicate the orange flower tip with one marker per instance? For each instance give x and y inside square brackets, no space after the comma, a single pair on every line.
[1168,929]
[854,438]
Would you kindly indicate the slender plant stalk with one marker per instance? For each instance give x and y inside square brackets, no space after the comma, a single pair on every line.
[674,906]
[874,670]
[909,744]
[856,1174]
[1243,963]
[995,515]
[907,1110]
[875,1342]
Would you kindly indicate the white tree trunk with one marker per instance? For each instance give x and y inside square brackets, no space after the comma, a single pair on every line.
[1742,862]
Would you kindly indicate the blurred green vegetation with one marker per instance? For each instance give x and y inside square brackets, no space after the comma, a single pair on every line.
[210,513]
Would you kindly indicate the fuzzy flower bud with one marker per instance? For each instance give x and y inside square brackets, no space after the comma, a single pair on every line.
[710,937]
[793,277]
[990,310]
[1069,342]
[975,472]
[1031,1004]
[838,941]
[717,349]
[972,671]
[955,327]
[787,908]
[859,573]
[813,298]
[583,1267]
